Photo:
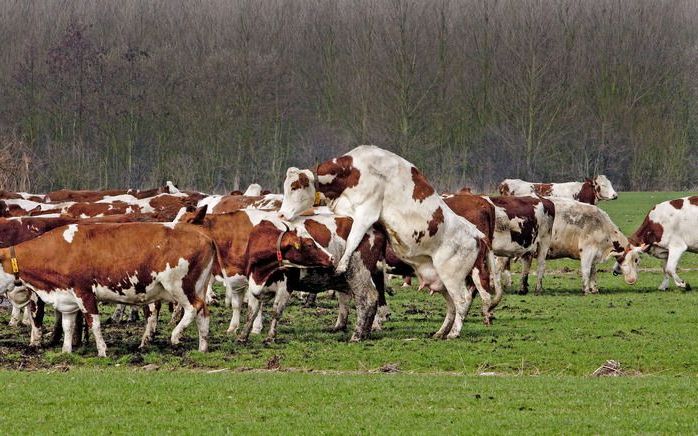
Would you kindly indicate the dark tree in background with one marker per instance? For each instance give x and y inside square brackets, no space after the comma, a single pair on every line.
[216,94]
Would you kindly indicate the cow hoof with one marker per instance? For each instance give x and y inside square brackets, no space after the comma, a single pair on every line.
[437,335]
[355,338]
[337,329]
[523,291]
[268,341]
[242,340]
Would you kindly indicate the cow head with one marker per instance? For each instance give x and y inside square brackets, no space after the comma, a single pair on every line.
[270,249]
[603,188]
[254,190]
[627,262]
[9,286]
[299,193]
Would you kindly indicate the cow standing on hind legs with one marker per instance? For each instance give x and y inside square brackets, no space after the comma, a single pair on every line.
[373,185]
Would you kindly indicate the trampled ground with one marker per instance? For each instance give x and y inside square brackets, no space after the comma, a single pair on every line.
[530,371]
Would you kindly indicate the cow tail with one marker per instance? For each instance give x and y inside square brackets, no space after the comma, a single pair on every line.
[495,279]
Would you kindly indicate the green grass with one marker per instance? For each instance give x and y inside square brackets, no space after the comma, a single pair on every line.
[543,349]
[121,401]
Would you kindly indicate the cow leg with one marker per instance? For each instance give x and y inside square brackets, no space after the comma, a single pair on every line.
[236,304]
[366,299]
[203,321]
[504,270]
[344,299]
[187,318]
[258,323]
[68,324]
[280,302]
[526,260]
[16,314]
[89,303]
[151,312]
[210,294]
[383,311]
[253,306]
[665,281]
[234,293]
[133,315]
[310,300]
[365,216]
[36,320]
[450,316]
[672,263]
[57,328]
[118,314]
[540,271]
[587,263]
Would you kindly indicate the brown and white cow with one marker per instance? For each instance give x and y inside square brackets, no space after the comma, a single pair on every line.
[373,185]
[23,195]
[517,227]
[76,266]
[231,203]
[668,230]
[88,196]
[243,237]
[583,231]
[363,280]
[589,191]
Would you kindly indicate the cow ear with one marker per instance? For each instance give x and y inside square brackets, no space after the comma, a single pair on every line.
[588,180]
[310,175]
[199,215]
[292,171]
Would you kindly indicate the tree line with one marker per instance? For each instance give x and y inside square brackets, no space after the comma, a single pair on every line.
[216,94]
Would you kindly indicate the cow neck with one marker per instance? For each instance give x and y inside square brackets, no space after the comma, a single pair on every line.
[15,265]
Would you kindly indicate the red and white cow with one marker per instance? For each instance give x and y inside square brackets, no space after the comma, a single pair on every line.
[76,266]
[583,231]
[669,230]
[363,280]
[373,185]
[589,191]
[241,234]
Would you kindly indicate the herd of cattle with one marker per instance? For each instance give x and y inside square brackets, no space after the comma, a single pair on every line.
[341,227]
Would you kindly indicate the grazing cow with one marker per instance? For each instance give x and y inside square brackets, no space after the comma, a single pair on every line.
[589,191]
[666,233]
[372,185]
[233,232]
[583,231]
[76,266]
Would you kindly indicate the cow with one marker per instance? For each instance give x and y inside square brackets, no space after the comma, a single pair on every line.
[523,230]
[666,233]
[589,191]
[231,203]
[87,196]
[23,195]
[76,266]
[372,185]
[232,233]
[364,279]
[585,232]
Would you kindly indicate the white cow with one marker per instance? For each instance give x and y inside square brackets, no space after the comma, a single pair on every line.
[373,185]
[669,230]
[589,191]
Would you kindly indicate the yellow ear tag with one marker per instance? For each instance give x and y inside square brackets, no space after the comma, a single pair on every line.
[15,268]
[297,245]
[317,198]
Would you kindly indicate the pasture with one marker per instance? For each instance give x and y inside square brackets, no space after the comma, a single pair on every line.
[530,371]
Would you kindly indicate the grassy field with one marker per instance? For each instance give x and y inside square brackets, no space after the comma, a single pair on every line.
[529,372]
